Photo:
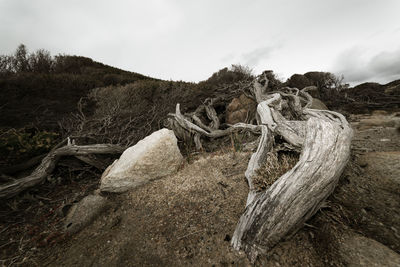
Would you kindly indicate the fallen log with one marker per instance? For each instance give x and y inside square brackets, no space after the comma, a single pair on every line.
[48,164]
[324,139]
[297,195]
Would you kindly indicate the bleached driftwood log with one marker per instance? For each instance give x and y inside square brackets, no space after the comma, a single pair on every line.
[324,139]
[297,195]
[49,163]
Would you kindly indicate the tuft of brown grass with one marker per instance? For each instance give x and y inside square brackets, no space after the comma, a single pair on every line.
[275,166]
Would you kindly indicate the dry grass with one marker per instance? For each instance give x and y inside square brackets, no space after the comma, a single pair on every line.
[185,219]
[275,167]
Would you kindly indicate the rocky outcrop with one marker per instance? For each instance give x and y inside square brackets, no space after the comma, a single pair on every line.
[240,109]
[154,157]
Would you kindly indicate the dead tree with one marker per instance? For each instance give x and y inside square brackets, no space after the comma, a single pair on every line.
[322,136]
[49,162]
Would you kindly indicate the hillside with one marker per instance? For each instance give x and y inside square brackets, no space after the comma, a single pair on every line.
[362,98]
[367,96]
[187,218]
[42,98]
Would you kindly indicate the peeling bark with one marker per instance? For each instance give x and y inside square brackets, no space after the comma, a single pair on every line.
[324,139]
[298,194]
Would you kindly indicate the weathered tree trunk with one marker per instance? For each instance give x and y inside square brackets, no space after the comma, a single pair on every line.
[324,139]
[48,164]
[298,194]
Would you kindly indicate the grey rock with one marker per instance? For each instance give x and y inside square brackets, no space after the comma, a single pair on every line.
[240,109]
[84,212]
[154,157]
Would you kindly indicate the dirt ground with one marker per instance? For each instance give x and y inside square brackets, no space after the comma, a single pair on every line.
[188,218]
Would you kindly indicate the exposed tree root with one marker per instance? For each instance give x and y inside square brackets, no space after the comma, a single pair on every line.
[49,162]
[324,139]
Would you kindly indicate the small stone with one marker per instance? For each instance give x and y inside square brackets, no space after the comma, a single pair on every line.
[84,212]
[363,163]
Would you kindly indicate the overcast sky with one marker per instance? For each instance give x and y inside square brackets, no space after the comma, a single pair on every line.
[189,40]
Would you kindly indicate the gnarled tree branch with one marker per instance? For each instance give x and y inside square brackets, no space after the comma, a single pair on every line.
[48,164]
[323,137]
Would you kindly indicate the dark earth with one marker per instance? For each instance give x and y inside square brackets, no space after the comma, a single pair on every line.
[189,218]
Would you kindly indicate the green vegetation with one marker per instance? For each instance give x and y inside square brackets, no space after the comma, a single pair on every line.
[18,145]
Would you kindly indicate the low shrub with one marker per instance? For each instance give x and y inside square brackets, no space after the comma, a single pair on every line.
[20,144]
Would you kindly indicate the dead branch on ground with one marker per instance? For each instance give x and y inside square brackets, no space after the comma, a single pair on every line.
[49,163]
[322,136]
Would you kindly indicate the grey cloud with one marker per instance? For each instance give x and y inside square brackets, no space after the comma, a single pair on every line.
[229,58]
[254,57]
[386,64]
[189,40]
[357,67]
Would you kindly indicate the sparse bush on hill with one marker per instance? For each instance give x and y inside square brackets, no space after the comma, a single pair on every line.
[22,61]
[41,61]
[322,80]
[38,89]
[331,89]
[233,74]
[298,81]
[124,114]
[370,96]
[273,82]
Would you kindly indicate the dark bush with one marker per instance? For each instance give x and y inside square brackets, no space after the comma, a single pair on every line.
[124,114]
[21,144]
[299,81]
[39,90]
[230,75]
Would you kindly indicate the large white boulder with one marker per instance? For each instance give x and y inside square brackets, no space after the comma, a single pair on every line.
[154,157]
